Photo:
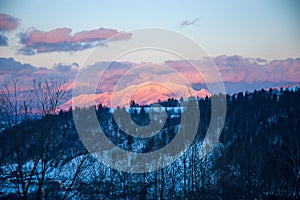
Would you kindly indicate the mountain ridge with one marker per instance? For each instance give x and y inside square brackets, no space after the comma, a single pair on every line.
[143,94]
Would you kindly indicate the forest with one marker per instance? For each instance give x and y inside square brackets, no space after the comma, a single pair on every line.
[256,157]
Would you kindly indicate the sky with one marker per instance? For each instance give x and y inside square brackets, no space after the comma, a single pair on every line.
[61,35]
[268,29]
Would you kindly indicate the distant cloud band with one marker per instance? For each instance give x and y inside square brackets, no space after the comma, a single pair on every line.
[233,69]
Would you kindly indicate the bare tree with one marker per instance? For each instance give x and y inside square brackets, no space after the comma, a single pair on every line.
[49,94]
[14,107]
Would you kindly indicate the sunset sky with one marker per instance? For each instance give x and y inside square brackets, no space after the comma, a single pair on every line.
[53,34]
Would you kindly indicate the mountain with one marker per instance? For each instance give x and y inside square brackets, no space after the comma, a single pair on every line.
[146,93]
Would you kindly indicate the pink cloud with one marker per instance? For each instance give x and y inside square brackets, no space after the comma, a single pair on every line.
[100,34]
[238,69]
[51,37]
[62,39]
[8,23]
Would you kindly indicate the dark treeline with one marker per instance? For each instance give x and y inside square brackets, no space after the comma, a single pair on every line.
[257,156]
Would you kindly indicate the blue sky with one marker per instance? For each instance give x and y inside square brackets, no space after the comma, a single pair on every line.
[268,29]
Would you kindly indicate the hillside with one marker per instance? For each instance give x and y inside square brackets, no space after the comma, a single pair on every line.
[257,156]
